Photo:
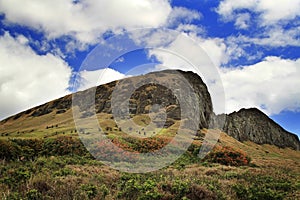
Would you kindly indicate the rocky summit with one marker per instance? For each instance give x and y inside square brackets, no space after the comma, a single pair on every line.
[244,125]
[253,125]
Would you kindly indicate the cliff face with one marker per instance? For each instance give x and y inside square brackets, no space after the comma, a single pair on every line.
[140,101]
[253,125]
[150,93]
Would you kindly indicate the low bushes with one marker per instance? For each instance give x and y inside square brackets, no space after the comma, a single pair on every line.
[262,187]
[8,150]
[182,189]
[138,187]
[150,186]
[29,149]
[63,146]
[228,156]
[256,192]
[126,148]
[117,153]
[144,145]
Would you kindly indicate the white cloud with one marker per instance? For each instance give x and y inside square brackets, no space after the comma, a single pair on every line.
[28,79]
[270,12]
[235,47]
[154,38]
[273,37]
[191,28]
[181,15]
[249,47]
[275,21]
[188,45]
[242,21]
[227,7]
[277,36]
[94,78]
[85,20]
[274,11]
[272,85]
[22,39]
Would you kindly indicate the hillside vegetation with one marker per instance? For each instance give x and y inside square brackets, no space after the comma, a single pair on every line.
[59,167]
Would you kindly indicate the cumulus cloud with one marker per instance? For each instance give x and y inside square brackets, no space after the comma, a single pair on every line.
[85,20]
[271,85]
[270,12]
[242,21]
[181,15]
[227,7]
[28,79]
[275,37]
[97,77]
[191,28]
[276,20]
[213,51]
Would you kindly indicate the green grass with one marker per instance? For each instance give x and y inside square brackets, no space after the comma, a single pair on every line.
[52,163]
[60,168]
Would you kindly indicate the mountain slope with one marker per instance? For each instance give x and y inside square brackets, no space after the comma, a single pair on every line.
[55,117]
[253,125]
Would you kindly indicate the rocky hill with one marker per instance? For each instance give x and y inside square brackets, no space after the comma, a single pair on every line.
[247,124]
[253,125]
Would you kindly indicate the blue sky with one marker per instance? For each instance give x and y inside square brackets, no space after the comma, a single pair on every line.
[253,44]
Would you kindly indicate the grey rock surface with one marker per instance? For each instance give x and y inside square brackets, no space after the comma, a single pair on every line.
[253,125]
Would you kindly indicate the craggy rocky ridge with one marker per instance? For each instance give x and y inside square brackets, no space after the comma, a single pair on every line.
[253,125]
[149,94]
[246,124]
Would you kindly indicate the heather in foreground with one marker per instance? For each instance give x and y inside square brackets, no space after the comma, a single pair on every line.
[61,168]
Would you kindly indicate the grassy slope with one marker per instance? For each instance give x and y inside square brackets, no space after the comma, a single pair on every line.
[275,173]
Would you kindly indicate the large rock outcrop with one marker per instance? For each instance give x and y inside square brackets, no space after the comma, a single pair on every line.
[253,125]
[150,93]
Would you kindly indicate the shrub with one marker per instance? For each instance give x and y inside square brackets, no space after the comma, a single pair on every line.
[42,183]
[8,150]
[263,187]
[255,192]
[104,191]
[107,152]
[29,149]
[194,149]
[138,187]
[14,196]
[52,163]
[145,145]
[64,172]
[180,189]
[228,156]
[200,192]
[63,145]
[90,190]
[15,176]
[151,195]
[33,195]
